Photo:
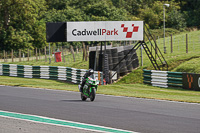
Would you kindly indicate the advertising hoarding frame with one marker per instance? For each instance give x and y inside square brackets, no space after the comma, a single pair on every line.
[105,31]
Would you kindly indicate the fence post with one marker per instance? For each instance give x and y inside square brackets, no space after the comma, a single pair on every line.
[12,55]
[49,53]
[63,55]
[76,50]
[86,51]
[171,44]
[83,51]
[23,56]
[19,55]
[36,55]
[186,43]
[54,53]
[142,55]
[45,53]
[68,54]
[39,53]
[28,54]
[99,77]
[72,51]
[4,55]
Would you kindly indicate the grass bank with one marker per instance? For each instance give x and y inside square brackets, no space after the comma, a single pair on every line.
[129,90]
[178,60]
[69,62]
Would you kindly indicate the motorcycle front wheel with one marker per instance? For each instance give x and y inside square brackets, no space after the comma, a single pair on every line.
[83,97]
[92,94]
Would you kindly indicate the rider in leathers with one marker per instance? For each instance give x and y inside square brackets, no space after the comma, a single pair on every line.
[87,74]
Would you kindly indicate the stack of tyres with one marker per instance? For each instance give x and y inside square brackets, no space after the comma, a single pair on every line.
[113,57]
[122,65]
[106,68]
[135,61]
[92,59]
[115,61]
[128,60]
[110,62]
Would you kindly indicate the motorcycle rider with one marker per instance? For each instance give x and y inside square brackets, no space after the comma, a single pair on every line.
[87,74]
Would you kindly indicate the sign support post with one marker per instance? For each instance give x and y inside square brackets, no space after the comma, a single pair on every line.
[49,54]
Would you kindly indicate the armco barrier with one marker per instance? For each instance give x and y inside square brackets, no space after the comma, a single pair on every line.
[45,72]
[163,78]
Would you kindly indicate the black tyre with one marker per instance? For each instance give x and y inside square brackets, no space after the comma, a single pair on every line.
[92,94]
[83,97]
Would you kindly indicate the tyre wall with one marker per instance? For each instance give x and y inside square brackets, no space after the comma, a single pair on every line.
[120,59]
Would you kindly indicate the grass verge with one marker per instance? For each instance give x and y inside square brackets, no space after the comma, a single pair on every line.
[69,62]
[129,90]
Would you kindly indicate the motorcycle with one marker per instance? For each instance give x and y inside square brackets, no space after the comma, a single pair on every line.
[89,89]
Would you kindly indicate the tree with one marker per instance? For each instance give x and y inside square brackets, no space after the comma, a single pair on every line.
[176,20]
[96,10]
[19,23]
[152,14]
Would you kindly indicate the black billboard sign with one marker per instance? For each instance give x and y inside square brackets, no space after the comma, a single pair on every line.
[191,81]
[56,32]
[197,82]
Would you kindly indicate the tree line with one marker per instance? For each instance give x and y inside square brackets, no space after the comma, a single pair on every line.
[22,22]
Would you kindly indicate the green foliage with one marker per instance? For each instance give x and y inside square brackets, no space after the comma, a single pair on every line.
[176,20]
[86,10]
[191,9]
[168,32]
[152,15]
[22,22]
[19,39]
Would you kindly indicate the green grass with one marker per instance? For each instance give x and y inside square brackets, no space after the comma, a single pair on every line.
[37,83]
[131,84]
[179,54]
[132,78]
[178,61]
[130,90]
[69,62]
[191,66]
[146,91]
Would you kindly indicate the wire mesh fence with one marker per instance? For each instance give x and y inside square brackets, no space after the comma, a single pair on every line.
[44,54]
[184,43]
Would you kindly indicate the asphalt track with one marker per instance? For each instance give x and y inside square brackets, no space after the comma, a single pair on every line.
[8,125]
[133,114]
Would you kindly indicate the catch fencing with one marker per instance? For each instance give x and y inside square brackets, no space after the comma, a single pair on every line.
[183,43]
[68,74]
[163,78]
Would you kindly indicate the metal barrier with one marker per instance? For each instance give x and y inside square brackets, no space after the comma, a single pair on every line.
[163,78]
[68,74]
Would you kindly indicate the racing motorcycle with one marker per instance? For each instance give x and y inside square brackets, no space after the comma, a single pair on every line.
[89,89]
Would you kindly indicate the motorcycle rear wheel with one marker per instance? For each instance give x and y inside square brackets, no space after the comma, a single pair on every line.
[83,97]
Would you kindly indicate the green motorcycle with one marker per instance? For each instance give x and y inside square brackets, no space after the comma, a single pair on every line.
[89,89]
